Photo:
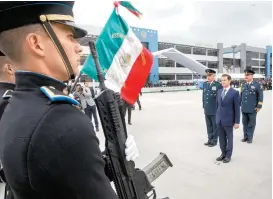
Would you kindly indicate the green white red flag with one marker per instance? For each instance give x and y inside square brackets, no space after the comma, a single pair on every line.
[125,62]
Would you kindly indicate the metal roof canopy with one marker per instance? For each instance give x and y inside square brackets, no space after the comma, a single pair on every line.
[240,76]
[182,59]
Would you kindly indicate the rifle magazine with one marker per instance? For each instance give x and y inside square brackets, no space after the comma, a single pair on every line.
[157,167]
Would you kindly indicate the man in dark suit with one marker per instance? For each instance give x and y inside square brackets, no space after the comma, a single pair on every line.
[209,97]
[227,117]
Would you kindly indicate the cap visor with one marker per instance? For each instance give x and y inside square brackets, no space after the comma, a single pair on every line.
[78,32]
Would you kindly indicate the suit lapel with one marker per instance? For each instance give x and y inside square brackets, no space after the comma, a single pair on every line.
[227,94]
[220,95]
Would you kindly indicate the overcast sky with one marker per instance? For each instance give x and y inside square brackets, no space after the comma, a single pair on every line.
[194,23]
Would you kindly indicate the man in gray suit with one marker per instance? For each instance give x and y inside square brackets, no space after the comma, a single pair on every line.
[88,104]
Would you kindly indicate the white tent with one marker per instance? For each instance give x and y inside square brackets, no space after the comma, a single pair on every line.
[182,59]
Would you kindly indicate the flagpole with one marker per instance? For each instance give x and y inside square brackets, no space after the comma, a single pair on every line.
[93,84]
[75,83]
[94,53]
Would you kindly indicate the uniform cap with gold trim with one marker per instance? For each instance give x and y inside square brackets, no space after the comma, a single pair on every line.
[210,71]
[14,14]
[249,71]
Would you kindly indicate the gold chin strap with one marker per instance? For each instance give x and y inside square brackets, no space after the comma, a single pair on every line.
[45,19]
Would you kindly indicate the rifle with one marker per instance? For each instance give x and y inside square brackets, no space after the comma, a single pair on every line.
[130,182]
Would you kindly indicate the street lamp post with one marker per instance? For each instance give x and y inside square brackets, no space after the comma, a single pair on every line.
[233,50]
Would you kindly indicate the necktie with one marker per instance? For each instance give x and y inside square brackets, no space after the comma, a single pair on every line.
[224,94]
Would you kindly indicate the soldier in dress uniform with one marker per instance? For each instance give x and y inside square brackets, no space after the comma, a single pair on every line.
[7,85]
[251,103]
[209,98]
[7,81]
[48,148]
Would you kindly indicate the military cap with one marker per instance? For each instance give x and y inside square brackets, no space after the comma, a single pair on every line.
[249,71]
[210,71]
[14,14]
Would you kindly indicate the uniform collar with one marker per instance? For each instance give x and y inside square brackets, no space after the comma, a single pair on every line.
[27,79]
[250,82]
[7,86]
[211,82]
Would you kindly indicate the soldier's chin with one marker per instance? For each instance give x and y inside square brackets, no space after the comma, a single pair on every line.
[76,70]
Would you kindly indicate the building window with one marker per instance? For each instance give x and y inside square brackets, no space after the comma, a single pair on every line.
[229,62]
[248,63]
[183,49]
[183,77]
[166,77]
[82,59]
[262,71]
[179,65]
[255,55]
[212,64]
[262,63]
[262,56]
[212,52]
[162,46]
[254,62]
[199,51]
[256,70]
[162,62]
[250,55]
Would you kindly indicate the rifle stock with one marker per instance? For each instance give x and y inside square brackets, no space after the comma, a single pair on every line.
[130,182]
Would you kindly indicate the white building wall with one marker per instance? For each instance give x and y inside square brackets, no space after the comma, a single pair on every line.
[203,57]
[197,57]
[230,55]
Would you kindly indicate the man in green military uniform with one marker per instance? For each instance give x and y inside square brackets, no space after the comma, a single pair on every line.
[251,103]
[209,97]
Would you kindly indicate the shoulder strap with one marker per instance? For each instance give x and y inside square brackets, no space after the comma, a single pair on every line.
[57,96]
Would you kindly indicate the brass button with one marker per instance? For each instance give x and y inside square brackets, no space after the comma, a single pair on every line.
[43,18]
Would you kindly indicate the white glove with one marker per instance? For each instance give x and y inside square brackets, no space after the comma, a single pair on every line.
[131,150]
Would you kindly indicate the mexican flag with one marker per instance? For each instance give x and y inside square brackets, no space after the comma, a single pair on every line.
[125,62]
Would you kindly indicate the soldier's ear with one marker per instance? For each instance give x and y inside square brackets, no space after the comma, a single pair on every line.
[36,43]
[9,69]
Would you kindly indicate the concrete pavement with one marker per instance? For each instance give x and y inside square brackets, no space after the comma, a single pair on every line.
[174,123]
